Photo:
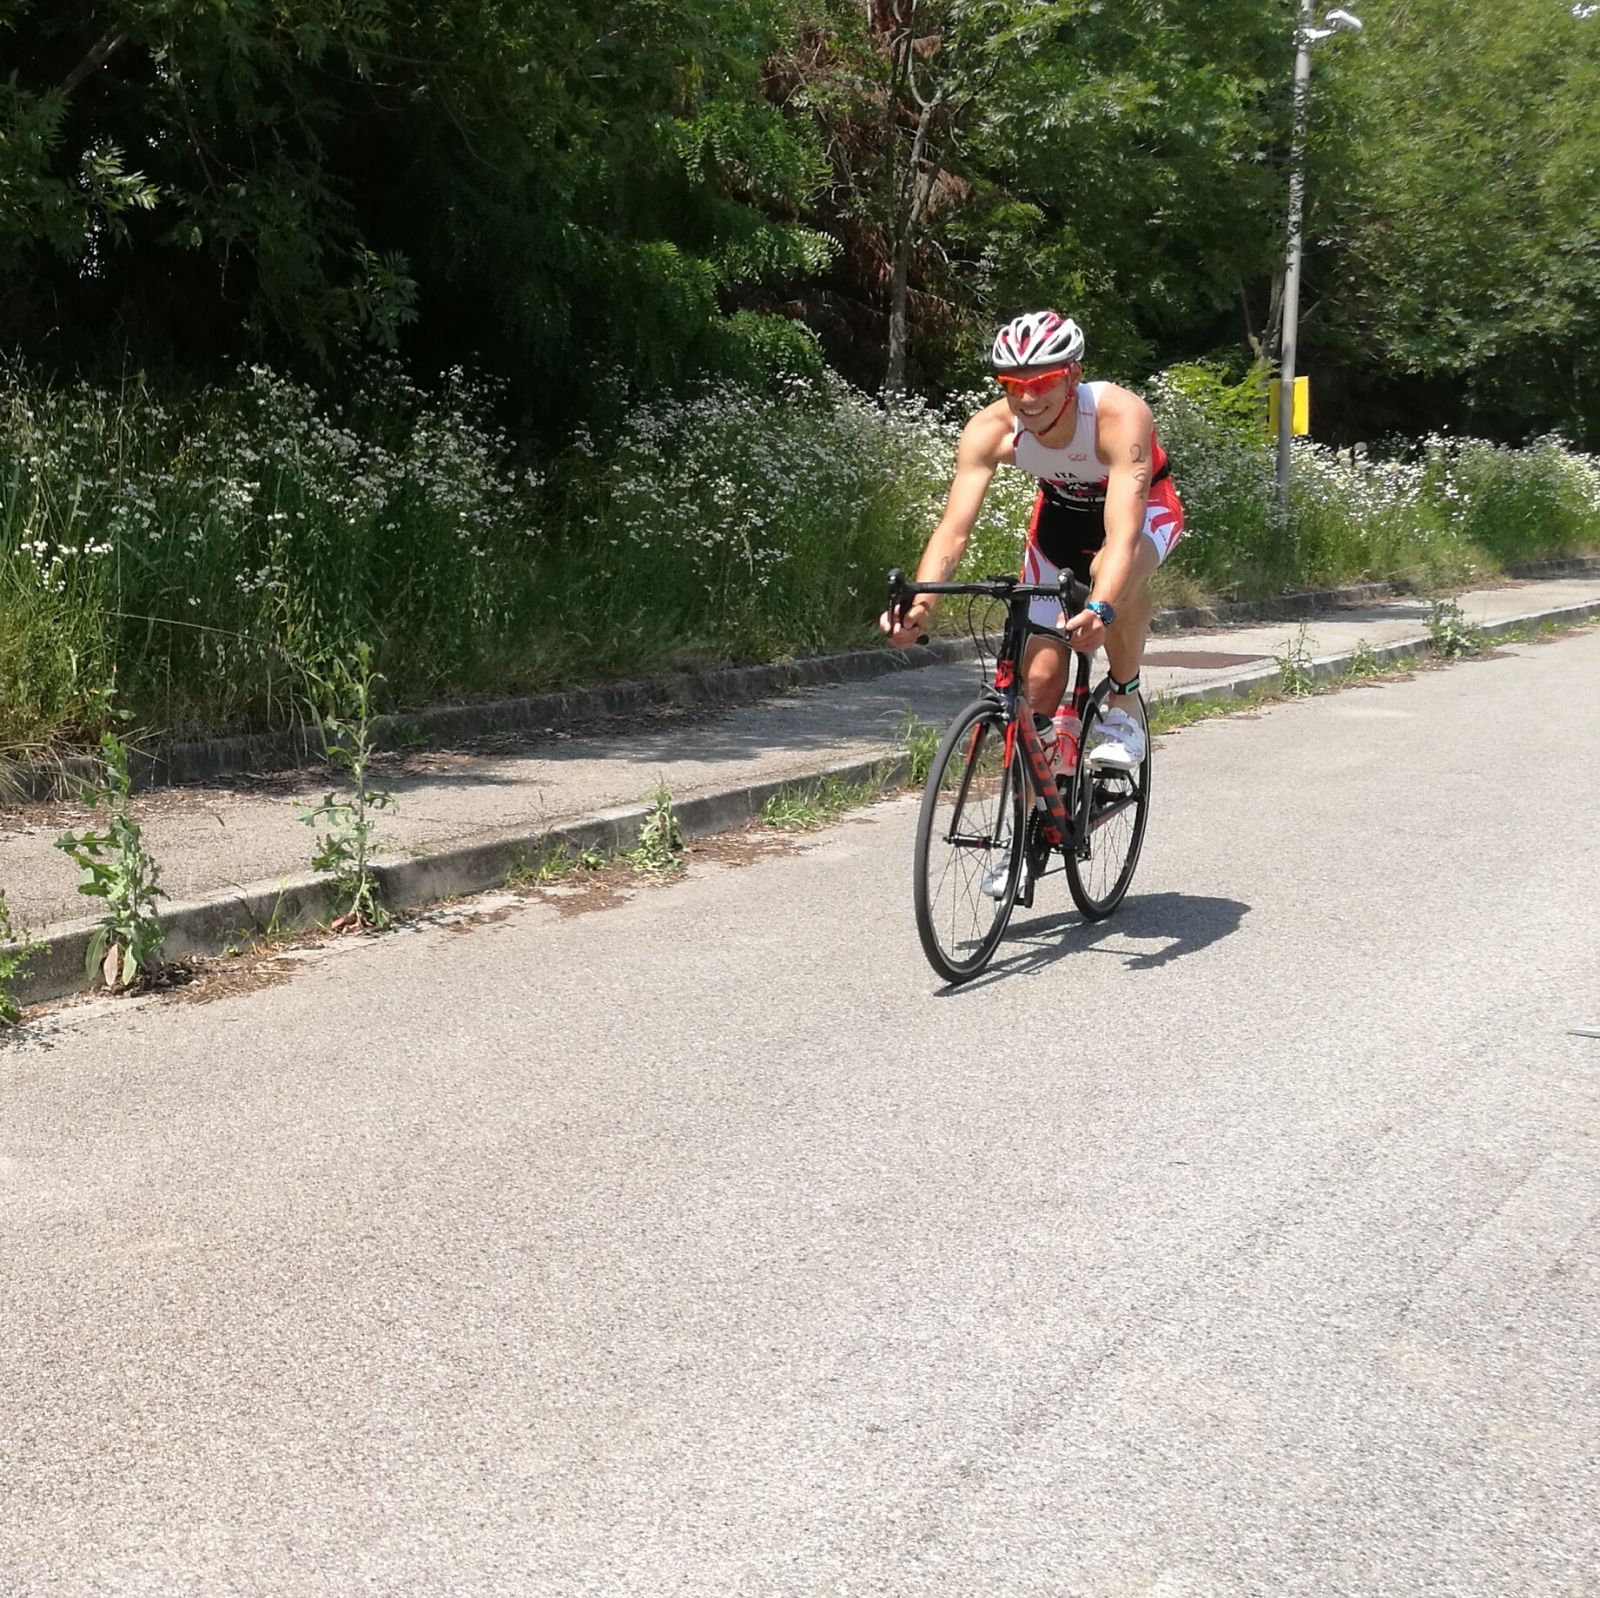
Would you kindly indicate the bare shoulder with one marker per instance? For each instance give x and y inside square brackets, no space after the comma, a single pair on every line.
[1124,425]
[986,439]
[1122,407]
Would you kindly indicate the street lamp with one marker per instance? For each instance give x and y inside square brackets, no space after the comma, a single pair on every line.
[1305,36]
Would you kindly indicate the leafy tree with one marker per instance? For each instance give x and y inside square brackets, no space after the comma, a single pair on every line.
[594,185]
[989,155]
[551,188]
[574,192]
[886,91]
[1458,232]
[1129,149]
[166,166]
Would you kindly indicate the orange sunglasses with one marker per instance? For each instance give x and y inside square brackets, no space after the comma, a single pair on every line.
[1030,387]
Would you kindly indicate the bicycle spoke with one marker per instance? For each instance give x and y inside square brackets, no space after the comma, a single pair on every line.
[1101,868]
[971,820]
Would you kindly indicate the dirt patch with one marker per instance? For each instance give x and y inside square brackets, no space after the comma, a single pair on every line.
[190,980]
[746,847]
[21,820]
[583,890]
[592,890]
[1560,635]
[580,891]
[55,816]
[230,976]
[478,918]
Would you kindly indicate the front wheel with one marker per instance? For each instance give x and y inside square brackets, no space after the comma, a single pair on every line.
[969,843]
[1109,812]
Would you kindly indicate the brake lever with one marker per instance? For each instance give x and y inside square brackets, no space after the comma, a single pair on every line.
[1070,589]
[898,601]
[897,596]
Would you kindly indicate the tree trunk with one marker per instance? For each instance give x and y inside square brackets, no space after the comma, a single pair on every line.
[1272,333]
[916,190]
[99,54]
[894,380]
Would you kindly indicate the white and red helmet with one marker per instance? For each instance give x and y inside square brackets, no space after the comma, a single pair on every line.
[1040,338]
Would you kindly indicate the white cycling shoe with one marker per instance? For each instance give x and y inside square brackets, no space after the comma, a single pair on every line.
[998,875]
[995,879]
[1120,745]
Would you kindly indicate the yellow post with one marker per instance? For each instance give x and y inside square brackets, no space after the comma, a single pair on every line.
[1300,421]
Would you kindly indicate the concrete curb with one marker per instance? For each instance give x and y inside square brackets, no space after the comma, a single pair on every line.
[170,764]
[211,925]
[208,926]
[1324,667]
[1571,566]
[1283,607]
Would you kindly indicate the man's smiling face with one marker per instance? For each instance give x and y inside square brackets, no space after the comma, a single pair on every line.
[1038,399]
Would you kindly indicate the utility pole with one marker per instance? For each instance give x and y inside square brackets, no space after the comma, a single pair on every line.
[1291,274]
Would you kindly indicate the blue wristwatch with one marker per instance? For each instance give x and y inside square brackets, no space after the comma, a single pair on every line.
[1104,611]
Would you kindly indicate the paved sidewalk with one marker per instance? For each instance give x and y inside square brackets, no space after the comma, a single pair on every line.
[242,838]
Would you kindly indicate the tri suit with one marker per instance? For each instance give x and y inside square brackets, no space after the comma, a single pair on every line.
[1068,527]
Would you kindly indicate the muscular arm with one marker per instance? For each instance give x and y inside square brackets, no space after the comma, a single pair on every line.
[984,441]
[1126,439]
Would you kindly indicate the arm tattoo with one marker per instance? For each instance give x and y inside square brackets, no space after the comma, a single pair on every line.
[946,566]
[1138,453]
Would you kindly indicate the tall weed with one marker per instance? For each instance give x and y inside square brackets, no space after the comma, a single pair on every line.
[198,546]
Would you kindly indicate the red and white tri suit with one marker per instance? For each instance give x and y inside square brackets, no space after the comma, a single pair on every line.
[1068,527]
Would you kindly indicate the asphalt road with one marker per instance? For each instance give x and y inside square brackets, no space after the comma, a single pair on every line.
[703,1246]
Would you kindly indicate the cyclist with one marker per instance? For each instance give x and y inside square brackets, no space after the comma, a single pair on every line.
[1106,506]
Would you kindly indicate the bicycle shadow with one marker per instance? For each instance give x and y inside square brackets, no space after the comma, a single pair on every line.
[1184,923]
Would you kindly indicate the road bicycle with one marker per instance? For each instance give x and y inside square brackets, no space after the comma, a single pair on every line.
[994,811]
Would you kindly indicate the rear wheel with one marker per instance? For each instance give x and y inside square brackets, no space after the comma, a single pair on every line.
[969,844]
[1109,810]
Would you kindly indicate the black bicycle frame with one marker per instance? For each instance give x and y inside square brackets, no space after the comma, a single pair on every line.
[1060,830]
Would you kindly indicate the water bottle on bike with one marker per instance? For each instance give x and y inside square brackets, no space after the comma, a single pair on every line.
[1068,728]
[1060,735]
[1059,738]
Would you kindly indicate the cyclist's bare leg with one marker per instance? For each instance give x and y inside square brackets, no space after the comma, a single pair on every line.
[1125,638]
[1044,674]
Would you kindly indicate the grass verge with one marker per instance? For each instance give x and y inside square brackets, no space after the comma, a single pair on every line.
[1295,680]
[816,804]
[200,552]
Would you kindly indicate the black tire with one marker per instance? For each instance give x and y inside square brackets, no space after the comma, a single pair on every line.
[971,826]
[1109,811]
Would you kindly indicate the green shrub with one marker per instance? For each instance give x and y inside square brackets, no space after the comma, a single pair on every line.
[1223,469]
[1238,409]
[16,951]
[198,547]
[115,867]
[1524,504]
